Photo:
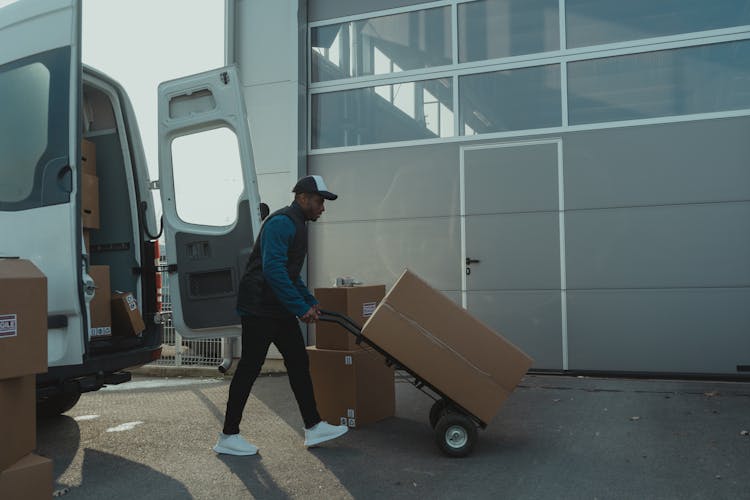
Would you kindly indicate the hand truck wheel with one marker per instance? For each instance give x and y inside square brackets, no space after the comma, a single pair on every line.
[455,434]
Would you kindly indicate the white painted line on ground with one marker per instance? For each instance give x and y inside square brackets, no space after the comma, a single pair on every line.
[85,417]
[158,383]
[125,427]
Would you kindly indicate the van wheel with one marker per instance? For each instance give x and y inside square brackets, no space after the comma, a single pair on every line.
[57,404]
[455,434]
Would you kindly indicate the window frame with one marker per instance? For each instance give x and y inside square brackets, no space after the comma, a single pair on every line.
[56,152]
[563,56]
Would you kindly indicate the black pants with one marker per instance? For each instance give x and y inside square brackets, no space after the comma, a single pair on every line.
[257,335]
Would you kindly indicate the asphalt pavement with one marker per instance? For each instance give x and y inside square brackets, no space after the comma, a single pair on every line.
[557,437]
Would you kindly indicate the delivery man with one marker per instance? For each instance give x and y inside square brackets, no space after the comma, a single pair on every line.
[272,297]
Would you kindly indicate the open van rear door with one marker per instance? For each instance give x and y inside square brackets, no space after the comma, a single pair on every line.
[206,257]
[40,133]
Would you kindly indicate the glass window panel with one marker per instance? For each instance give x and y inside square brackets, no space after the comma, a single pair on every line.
[207,177]
[381,45]
[491,29]
[516,99]
[592,22]
[664,83]
[25,93]
[386,113]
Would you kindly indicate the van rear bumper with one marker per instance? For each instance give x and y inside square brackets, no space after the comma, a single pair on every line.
[95,372]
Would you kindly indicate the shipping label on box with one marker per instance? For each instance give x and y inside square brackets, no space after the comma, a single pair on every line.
[100,332]
[368,308]
[8,325]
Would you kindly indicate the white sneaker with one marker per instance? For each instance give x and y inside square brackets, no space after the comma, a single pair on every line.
[234,444]
[322,432]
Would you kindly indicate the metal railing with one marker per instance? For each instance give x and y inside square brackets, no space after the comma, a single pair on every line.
[177,351]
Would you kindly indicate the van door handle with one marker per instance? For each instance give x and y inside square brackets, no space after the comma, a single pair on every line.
[471,261]
[65,179]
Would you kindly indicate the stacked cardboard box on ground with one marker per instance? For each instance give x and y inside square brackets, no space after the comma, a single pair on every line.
[353,385]
[23,354]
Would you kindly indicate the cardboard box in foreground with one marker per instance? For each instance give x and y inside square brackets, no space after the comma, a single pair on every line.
[446,346]
[23,319]
[352,388]
[17,419]
[29,479]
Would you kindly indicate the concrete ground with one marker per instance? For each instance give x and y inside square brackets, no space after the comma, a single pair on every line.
[557,437]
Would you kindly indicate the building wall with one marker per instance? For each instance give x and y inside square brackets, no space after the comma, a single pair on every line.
[656,241]
[267,41]
[594,161]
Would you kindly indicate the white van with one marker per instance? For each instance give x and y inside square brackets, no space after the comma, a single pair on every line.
[49,104]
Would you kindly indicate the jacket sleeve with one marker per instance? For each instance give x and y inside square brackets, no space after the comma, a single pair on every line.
[277,236]
[305,292]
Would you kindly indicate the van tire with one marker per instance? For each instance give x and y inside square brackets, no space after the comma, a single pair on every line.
[57,404]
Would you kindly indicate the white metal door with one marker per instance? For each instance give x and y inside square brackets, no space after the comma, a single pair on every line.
[206,259]
[512,244]
[40,80]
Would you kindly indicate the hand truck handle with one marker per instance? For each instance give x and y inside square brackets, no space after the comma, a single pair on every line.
[344,321]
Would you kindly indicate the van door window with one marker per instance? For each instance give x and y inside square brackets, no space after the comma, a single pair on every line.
[207,166]
[34,131]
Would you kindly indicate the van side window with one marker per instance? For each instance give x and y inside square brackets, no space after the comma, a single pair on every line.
[34,130]
[25,92]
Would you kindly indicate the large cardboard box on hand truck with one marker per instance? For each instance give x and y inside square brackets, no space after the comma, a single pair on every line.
[446,346]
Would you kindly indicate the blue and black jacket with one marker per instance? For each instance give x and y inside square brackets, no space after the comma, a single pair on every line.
[272,285]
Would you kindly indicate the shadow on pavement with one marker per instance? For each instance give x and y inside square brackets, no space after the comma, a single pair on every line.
[59,439]
[397,457]
[250,470]
[64,432]
[254,476]
[146,482]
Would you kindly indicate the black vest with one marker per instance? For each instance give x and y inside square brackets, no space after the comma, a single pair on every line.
[255,296]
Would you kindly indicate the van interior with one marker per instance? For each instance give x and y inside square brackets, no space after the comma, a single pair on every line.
[117,241]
